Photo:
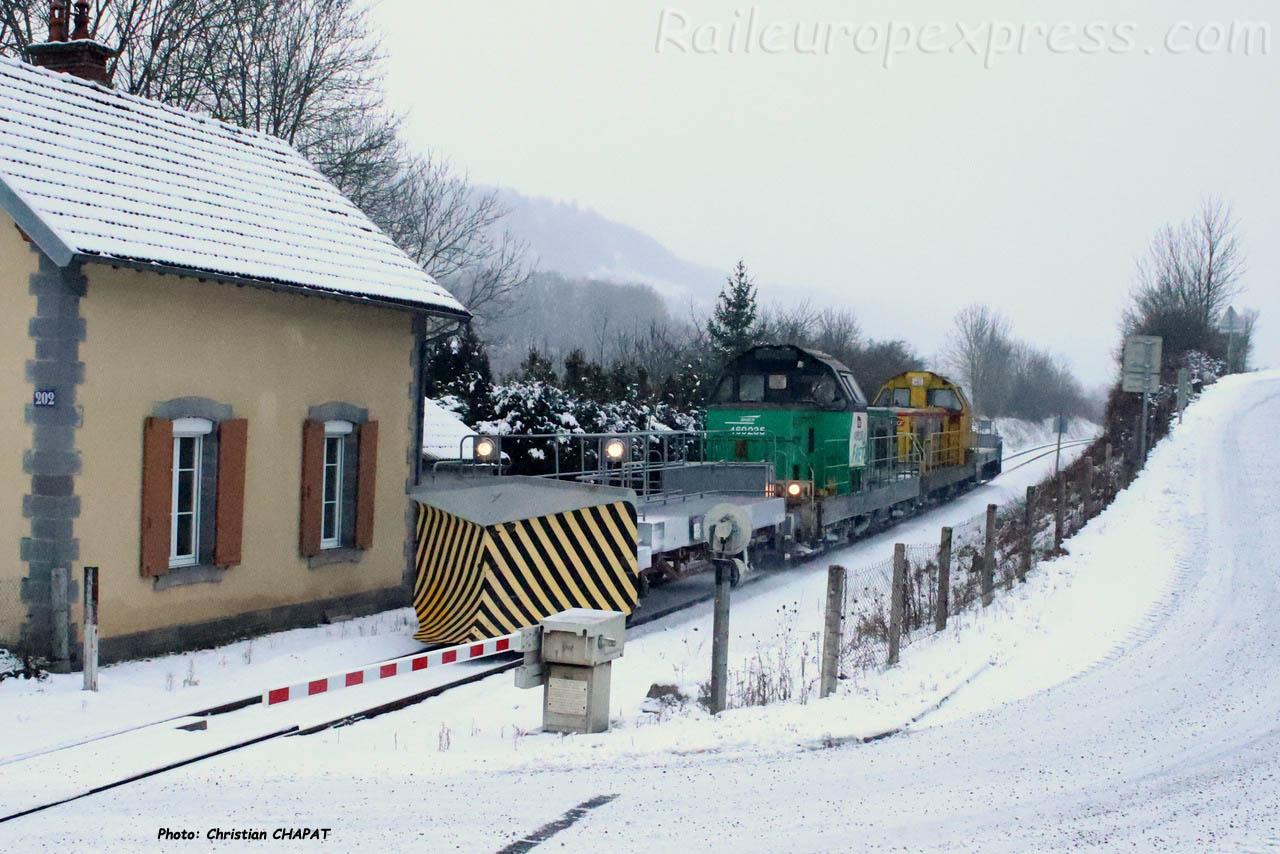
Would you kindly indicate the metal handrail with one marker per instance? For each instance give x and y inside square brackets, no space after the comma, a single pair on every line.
[648,453]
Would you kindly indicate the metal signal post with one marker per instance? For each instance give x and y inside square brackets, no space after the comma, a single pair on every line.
[1141,373]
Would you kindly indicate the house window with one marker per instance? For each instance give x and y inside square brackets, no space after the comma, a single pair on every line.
[194,456]
[333,493]
[339,461]
[188,457]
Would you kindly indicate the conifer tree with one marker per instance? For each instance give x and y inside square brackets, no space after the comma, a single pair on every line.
[459,366]
[537,368]
[732,328]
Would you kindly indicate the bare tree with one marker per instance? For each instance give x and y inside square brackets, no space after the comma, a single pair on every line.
[21,23]
[1190,273]
[453,230]
[308,72]
[794,325]
[981,351]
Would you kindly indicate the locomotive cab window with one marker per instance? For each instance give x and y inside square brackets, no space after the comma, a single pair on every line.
[945,398]
[751,388]
[852,388]
[902,397]
[825,392]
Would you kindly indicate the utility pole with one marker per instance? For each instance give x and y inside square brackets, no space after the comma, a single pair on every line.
[720,638]
[1057,459]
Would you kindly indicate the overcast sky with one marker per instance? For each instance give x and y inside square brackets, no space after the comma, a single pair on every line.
[1004,155]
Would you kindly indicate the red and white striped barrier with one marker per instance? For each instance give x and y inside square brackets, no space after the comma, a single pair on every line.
[515,642]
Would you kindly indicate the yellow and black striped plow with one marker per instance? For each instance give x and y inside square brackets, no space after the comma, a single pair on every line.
[515,573]
[446,590]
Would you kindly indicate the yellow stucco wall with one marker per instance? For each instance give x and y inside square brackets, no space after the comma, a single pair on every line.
[17,307]
[271,356]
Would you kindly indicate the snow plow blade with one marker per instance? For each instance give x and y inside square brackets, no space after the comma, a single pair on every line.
[494,555]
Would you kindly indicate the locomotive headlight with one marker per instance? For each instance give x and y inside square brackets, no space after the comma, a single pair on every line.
[486,449]
[615,450]
[794,489]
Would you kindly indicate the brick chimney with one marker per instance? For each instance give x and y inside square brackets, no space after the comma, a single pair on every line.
[80,54]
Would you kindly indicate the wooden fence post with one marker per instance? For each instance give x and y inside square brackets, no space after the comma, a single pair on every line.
[989,558]
[1090,507]
[941,612]
[720,639]
[833,634]
[91,628]
[1060,512]
[1028,534]
[1108,483]
[897,600]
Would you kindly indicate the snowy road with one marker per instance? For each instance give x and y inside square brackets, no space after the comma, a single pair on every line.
[1130,702]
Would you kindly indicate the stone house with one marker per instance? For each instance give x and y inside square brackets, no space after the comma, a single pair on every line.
[210,371]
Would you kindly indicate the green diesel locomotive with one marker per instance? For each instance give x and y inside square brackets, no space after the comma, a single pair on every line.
[843,466]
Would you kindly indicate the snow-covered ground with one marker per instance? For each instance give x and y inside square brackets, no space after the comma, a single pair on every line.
[1019,435]
[1122,696]
[780,612]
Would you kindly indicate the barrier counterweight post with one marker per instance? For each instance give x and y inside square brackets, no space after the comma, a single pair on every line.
[91,628]
[60,595]
[720,639]
[832,634]
[944,581]
[989,558]
[897,601]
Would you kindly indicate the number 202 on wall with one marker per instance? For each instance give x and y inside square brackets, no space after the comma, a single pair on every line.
[45,397]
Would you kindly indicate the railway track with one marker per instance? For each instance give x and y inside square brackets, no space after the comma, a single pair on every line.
[199,720]
[1052,449]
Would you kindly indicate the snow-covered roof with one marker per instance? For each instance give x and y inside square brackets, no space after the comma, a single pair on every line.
[96,174]
[443,432]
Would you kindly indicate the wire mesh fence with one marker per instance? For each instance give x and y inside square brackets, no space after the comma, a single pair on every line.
[867,597]
[1019,536]
[938,580]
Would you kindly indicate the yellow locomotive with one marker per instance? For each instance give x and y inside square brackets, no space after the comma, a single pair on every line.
[934,419]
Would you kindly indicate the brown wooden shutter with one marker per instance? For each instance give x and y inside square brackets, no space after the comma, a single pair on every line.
[157,495]
[311,516]
[366,480]
[233,439]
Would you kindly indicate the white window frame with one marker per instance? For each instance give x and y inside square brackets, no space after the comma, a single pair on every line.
[196,429]
[334,430]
